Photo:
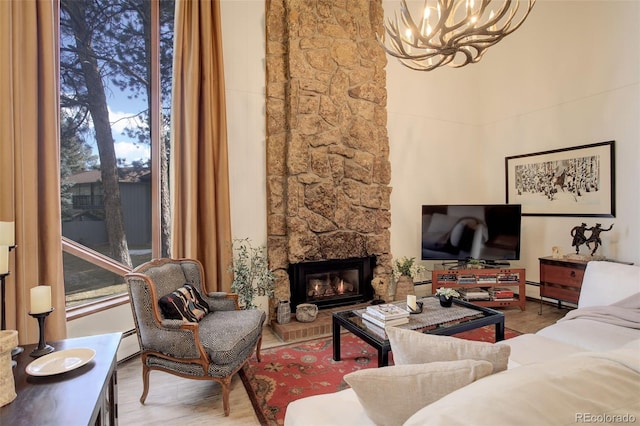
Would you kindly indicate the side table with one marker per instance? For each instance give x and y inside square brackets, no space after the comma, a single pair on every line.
[561,279]
[86,395]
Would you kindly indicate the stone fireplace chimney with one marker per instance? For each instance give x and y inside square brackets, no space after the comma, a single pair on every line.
[328,169]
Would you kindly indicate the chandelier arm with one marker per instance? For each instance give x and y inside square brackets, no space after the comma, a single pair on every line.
[478,38]
[516,26]
[407,19]
[395,38]
[419,66]
[506,28]
[491,37]
[468,58]
[481,30]
[451,9]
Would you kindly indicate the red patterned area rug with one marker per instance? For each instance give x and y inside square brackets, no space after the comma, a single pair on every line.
[295,371]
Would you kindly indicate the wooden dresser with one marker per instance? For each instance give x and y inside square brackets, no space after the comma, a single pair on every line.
[561,279]
[84,396]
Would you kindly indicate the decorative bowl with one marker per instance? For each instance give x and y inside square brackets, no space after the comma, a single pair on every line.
[306,312]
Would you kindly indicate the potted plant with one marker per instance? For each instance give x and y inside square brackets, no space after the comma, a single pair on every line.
[474,264]
[446,296]
[405,269]
[252,277]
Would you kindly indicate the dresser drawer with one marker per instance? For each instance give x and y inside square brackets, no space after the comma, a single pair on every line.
[569,277]
[553,291]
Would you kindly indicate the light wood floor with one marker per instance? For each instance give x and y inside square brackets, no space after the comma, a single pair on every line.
[174,400]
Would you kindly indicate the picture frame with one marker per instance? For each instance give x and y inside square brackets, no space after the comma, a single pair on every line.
[575,181]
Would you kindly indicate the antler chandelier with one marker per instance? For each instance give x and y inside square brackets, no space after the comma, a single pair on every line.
[451,32]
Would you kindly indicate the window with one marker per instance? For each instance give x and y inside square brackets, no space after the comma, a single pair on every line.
[115,83]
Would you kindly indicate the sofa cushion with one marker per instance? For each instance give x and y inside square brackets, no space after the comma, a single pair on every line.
[390,395]
[634,344]
[564,391]
[184,303]
[589,334]
[532,348]
[411,347]
[605,283]
[224,334]
[345,410]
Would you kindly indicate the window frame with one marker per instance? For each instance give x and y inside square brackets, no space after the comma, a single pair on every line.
[91,256]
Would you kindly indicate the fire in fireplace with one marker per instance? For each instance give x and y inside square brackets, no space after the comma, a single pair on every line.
[331,283]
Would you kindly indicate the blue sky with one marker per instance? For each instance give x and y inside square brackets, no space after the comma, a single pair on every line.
[124,146]
[122,113]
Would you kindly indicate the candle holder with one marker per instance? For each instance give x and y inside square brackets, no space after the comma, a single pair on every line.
[418,310]
[3,320]
[42,348]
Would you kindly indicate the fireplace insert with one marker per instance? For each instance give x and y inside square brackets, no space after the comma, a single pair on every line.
[331,283]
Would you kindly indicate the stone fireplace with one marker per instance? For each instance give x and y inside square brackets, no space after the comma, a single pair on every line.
[331,283]
[328,169]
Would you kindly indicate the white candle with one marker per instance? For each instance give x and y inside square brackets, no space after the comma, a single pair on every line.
[411,302]
[4,260]
[40,299]
[7,233]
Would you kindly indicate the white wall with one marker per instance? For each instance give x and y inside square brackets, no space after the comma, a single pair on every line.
[568,77]
[244,59]
[585,89]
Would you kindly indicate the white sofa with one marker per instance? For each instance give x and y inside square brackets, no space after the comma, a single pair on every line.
[583,369]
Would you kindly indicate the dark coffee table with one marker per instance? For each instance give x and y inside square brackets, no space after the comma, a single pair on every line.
[479,316]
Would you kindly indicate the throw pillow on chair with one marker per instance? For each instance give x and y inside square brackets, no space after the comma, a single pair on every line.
[184,303]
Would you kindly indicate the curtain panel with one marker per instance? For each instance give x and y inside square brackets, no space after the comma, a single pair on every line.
[30,161]
[201,223]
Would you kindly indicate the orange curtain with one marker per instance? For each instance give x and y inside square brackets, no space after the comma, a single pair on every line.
[201,223]
[29,161]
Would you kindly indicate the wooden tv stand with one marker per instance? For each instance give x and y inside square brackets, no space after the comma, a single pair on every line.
[486,279]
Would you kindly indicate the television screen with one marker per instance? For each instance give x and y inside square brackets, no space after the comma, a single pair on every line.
[462,232]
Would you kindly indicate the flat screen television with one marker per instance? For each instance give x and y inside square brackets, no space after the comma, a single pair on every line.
[486,232]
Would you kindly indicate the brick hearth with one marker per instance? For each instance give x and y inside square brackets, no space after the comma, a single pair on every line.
[321,327]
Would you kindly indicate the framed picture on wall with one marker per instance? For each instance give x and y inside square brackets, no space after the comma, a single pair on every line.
[575,181]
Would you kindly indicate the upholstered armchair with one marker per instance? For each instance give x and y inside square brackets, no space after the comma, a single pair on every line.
[185,330]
